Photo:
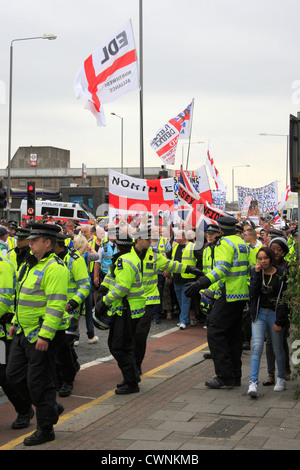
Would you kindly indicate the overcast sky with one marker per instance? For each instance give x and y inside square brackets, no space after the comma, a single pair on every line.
[239,60]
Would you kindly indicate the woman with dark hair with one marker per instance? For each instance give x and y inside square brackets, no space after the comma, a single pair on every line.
[267,311]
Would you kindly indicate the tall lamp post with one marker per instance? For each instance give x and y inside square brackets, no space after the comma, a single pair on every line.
[114,114]
[287,153]
[237,166]
[8,191]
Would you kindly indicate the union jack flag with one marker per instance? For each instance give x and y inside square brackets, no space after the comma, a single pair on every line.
[276,218]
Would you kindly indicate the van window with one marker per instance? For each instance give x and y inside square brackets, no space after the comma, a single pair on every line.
[50,210]
[65,212]
[82,215]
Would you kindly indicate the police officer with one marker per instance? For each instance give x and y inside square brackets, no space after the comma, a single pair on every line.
[224,333]
[21,251]
[122,300]
[78,290]
[209,295]
[153,262]
[40,312]
[7,298]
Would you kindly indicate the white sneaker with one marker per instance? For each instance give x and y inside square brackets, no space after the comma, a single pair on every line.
[252,390]
[93,340]
[182,326]
[280,385]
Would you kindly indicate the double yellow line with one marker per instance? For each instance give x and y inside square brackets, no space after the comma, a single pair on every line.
[152,373]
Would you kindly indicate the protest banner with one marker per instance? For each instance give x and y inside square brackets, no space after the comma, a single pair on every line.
[266,196]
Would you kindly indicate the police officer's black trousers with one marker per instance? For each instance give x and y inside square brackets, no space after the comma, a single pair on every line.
[21,405]
[121,346]
[225,339]
[31,373]
[141,329]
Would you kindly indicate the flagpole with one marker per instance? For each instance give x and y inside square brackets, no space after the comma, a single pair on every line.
[141,90]
[188,154]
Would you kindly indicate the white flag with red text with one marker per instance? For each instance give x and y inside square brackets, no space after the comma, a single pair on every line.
[109,72]
[166,139]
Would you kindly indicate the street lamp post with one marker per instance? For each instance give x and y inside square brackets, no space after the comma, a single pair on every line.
[8,190]
[237,166]
[114,114]
[287,152]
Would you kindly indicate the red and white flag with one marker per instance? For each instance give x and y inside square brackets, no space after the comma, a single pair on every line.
[109,72]
[166,139]
[214,172]
[284,198]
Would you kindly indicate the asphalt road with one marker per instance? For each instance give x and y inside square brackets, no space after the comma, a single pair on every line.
[99,351]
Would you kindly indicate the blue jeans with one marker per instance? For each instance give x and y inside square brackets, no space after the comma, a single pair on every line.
[266,319]
[184,303]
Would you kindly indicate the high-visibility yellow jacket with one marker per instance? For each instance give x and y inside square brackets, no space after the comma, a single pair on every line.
[80,283]
[125,279]
[7,296]
[152,263]
[208,265]
[188,258]
[231,266]
[42,299]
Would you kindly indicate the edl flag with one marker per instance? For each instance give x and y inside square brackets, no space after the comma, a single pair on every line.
[108,72]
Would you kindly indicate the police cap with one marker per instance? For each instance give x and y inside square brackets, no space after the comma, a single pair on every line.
[227,223]
[41,230]
[124,239]
[22,233]
[213,228]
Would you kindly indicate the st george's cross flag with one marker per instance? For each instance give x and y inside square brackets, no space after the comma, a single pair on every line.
[214,172]
[109,72]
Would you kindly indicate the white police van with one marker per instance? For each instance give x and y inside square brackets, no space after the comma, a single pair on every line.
[61,211]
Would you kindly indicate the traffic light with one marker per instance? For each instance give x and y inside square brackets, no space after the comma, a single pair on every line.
[3,198]
[31,199]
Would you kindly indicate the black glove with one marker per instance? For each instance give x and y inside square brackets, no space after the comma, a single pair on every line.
[100,309]
[72,305]
[194,270]
[195,287]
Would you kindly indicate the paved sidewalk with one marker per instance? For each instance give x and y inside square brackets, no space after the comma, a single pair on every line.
[175,411]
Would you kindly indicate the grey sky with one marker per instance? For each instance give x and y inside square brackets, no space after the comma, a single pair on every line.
[237,59]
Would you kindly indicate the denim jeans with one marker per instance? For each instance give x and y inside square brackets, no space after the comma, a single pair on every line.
[184,303]
[266,319]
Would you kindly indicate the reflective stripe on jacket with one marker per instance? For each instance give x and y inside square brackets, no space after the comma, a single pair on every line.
[42,299]
[231,267]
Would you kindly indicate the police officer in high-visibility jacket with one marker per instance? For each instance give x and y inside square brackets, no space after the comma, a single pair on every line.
[40,313]
[224,332]
[153,262]
[21,251]
[78,290]
[122,301]
[7,299]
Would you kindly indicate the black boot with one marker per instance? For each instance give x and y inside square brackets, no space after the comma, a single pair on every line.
[23,420]
[40,436]
[127,388]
